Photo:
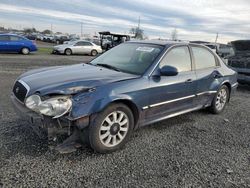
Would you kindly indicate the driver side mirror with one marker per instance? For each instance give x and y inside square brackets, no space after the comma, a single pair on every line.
[168,71]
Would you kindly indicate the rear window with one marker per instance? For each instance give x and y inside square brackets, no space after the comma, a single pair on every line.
[15,38]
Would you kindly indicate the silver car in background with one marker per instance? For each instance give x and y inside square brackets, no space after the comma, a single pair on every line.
[78,47]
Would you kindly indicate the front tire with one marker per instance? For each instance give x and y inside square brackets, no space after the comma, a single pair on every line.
[111,129]
[220,100]
[25,51]
[68,51]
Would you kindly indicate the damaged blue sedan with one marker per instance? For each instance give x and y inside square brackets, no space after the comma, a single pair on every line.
[129,86]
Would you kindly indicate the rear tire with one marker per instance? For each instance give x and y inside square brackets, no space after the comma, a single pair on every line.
[68,51]
[94,53]
[111,129]
[25,51]
[220,100]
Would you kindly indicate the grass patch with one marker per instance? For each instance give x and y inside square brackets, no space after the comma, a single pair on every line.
[44,50]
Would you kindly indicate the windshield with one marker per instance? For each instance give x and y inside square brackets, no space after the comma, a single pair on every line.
[132,58]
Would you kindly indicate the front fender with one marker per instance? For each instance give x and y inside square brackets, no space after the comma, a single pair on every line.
[86,108]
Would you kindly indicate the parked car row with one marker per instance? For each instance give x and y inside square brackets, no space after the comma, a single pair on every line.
[19,44]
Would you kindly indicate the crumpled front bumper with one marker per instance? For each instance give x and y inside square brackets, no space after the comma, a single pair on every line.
[36,121]
[45,126]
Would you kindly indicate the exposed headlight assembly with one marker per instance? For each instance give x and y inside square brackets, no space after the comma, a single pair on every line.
[56,106]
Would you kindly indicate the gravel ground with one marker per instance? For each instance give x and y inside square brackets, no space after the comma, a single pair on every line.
[193,150]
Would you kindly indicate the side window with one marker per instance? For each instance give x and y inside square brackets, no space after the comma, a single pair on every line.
[14,38]
[79,44]
[87,44]
[179,58]
[4,38]
[82,43]
[203,58]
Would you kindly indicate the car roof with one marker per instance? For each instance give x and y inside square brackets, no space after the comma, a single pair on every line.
[159,42]
[166,43]
[10,34]
[82,41]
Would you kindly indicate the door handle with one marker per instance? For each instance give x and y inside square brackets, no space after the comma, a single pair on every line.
[189,81]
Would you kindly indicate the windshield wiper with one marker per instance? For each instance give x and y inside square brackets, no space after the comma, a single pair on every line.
[108,66]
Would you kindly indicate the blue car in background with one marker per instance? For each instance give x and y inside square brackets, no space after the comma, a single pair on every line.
[16,43]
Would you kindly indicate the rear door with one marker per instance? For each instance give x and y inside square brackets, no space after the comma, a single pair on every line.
[16,43]
[82,47]
[4,43]
[173,94]
[87,47]
[78,47]
[208,75]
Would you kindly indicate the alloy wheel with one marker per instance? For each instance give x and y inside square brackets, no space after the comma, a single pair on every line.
[114,129]
[68,52]
[25,51]
[221,99]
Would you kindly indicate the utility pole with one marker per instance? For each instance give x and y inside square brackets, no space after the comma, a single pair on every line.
[81,29]
[139,22]
[217,36]
[51,28]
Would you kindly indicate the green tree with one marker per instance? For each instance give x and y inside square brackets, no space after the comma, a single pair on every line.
[46,31]
[29,30]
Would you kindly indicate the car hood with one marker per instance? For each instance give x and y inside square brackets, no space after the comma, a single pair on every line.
[70,79]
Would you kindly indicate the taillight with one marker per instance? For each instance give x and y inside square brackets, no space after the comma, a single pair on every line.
[34,42]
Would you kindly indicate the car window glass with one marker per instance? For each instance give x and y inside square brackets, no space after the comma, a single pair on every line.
[179,58]
[82,43]
[4,38]
[203,58]
[14,38]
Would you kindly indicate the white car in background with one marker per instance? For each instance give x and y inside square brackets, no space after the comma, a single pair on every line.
[78,47]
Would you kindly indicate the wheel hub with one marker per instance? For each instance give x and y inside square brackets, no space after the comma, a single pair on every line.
[114,129]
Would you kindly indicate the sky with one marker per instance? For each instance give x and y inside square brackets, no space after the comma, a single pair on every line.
[193,19]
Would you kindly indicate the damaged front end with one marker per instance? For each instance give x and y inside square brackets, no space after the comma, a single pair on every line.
[50,115]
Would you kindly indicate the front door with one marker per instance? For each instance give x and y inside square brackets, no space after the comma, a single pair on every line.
[4,43]
[173,94]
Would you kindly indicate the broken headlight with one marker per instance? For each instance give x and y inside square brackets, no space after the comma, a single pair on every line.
[56,106]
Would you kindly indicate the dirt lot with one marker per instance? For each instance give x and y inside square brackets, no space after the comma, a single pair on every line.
[194,150]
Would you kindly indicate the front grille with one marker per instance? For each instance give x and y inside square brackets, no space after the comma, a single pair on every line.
[20,91]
